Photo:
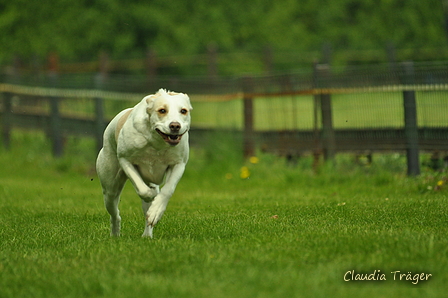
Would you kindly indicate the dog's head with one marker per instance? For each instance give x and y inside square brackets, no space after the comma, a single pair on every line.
[169,115]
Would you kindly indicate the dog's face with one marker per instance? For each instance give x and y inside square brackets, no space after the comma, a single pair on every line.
[169,115]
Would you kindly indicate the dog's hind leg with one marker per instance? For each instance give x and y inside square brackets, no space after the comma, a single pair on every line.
[111,201]
[112,180]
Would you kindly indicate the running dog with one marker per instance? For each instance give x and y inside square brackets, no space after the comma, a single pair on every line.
[147,144]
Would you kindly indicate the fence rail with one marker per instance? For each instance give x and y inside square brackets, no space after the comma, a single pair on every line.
[321,99]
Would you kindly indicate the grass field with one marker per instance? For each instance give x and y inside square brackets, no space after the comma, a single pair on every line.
[282,232]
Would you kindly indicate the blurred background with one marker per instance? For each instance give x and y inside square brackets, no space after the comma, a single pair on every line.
[181,37]
[288,34]
[289,77]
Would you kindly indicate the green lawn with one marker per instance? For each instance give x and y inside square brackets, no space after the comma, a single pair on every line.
[283,232]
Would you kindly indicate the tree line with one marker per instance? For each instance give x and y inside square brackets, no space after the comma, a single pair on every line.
[79,29]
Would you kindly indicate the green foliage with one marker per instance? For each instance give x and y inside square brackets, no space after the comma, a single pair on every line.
[127,28]
[281,232]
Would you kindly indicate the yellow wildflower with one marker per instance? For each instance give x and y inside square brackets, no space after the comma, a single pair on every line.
[244,173]
[254,160]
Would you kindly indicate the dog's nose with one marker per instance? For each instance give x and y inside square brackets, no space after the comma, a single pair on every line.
[175,126]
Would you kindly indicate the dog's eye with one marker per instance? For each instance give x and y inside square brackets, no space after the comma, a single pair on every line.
[162,111]
[184,111]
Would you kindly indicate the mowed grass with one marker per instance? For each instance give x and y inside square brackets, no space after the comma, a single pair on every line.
[283,232]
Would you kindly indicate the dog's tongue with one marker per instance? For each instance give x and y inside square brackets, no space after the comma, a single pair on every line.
[173,139]
[173,142]
[170,139]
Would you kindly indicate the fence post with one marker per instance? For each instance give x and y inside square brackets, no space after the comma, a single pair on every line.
[53,68]
[7,119]
[212,63]
[55,127]
[14,76]
[268,60]
[328,137]
[100,81]
[99,122]
[248,138]
[327,52]
[55,117]
[391,55]
[410,122]
[151,67]
[317,151]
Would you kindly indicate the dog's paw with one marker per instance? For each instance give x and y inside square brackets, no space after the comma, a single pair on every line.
[148,194]
[148,231]
[115,225]
[155,212]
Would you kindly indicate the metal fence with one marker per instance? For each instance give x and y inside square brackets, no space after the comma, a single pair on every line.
[323,110]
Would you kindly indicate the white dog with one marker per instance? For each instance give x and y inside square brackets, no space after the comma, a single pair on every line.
[148,145]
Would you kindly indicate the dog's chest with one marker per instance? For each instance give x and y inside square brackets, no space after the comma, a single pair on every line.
[152,164]
[151,172]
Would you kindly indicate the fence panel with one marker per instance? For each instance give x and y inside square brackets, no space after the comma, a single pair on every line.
[284,114]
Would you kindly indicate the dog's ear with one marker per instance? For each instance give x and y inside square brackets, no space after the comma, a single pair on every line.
[149,102]
[190,107]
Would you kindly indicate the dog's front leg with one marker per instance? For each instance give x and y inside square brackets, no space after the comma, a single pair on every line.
[145,192]
[160,202]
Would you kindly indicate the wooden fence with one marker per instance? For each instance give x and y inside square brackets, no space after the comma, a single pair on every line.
[323,138]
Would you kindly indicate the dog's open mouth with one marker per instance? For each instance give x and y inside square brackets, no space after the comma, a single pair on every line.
[173,139]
